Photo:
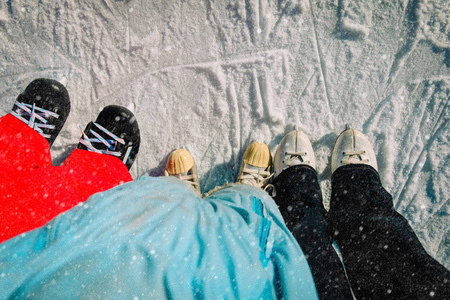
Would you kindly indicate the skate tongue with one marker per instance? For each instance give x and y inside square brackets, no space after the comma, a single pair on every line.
[355,157]
[131,107]
[188,172]
[252,167]
[294,160]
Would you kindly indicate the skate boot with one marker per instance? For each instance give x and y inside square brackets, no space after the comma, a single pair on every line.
[294,149]
[352,147]
[256,166]
[181,165]
[115,132]
[44,105]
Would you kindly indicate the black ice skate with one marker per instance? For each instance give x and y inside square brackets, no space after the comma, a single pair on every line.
[44,106]
[115,132]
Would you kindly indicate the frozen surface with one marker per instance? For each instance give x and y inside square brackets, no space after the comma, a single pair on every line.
[212,76]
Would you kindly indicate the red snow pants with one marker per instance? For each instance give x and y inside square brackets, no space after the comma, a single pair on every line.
[33,191]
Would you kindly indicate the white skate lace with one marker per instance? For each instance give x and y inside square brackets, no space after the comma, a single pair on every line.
[295,158]
[110,144]
[255,177]
[354,157]
[189,178]
[37,117]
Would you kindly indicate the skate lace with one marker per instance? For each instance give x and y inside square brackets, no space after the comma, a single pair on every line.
[354,157]
[109,144]
[37,117]
[255,177]
[295,158]
[187,177]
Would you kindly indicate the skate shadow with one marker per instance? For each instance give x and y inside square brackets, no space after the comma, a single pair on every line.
[227,172]
[218,176]
[158,170]
[223,173]
[323,149]
[57,161]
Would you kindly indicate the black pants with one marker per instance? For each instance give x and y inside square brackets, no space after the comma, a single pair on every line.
[383,257]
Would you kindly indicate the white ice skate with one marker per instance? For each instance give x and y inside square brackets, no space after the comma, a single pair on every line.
[352,147]
[295,149]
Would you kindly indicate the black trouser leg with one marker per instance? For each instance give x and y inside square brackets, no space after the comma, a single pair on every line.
[383,257]
[299,198]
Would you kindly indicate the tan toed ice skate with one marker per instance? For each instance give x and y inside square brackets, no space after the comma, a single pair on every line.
[181,165]
[256,165]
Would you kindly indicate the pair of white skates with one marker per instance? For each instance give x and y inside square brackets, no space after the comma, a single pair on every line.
[352,147]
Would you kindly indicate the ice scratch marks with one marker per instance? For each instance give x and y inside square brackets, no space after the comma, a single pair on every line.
[431,164]
[287,9]
[244,94]
[412,24]
[214,20]
[251,15]
[410,133]
[354,19]
[92,38]
[4,15]
[255,22]
[273,113]
[264,100]
[235,122]
[385,136]
[214,72]
[426,21]
[435,21]
[257,99]
[62,55]
[8,5]
[323,69]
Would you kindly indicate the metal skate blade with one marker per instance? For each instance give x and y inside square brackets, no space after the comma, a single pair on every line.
[132,107]
[63,80]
